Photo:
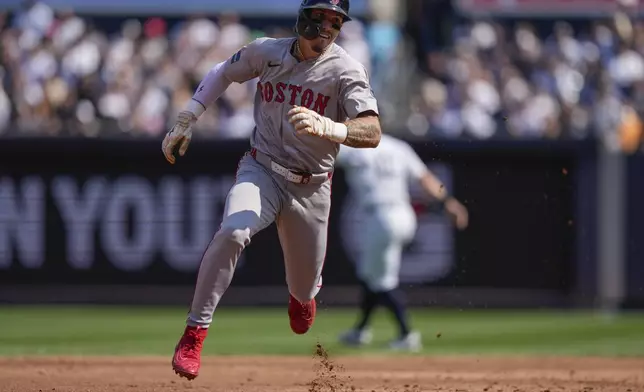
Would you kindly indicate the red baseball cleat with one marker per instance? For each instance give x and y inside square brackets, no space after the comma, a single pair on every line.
[302,315]
[187,354]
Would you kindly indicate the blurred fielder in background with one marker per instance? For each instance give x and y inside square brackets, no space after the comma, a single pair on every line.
[379,178]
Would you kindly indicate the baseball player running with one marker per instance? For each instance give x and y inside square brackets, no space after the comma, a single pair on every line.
[379,181]
[311,97]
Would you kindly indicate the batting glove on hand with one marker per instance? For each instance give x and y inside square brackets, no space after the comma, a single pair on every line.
[309,122]
[180,134]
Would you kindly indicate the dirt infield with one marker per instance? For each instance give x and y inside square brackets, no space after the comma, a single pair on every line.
[320,374]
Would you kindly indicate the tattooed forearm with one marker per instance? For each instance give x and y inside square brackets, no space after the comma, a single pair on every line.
[363,132]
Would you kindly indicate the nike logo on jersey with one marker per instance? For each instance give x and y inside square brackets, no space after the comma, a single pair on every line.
[235,58]
[294,95]
[271,65]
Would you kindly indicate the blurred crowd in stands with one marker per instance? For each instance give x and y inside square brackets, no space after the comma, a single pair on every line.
[63,74]
[546,80]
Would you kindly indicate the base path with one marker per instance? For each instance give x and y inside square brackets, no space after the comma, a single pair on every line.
[319,373]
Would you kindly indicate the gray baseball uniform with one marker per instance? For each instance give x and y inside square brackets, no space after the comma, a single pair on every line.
[286,178]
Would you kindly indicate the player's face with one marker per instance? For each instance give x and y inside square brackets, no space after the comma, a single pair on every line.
[331,23]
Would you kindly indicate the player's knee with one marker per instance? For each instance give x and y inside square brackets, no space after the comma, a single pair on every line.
[378,284]
[237,235]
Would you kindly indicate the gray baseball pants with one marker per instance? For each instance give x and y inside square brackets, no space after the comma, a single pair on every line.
[258,198]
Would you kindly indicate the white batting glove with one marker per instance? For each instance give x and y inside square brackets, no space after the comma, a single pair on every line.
[180,134]
[309,122]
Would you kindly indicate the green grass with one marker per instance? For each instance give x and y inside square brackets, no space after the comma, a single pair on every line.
[96,330]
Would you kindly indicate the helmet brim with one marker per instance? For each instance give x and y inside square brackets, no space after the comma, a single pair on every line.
[330,7]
